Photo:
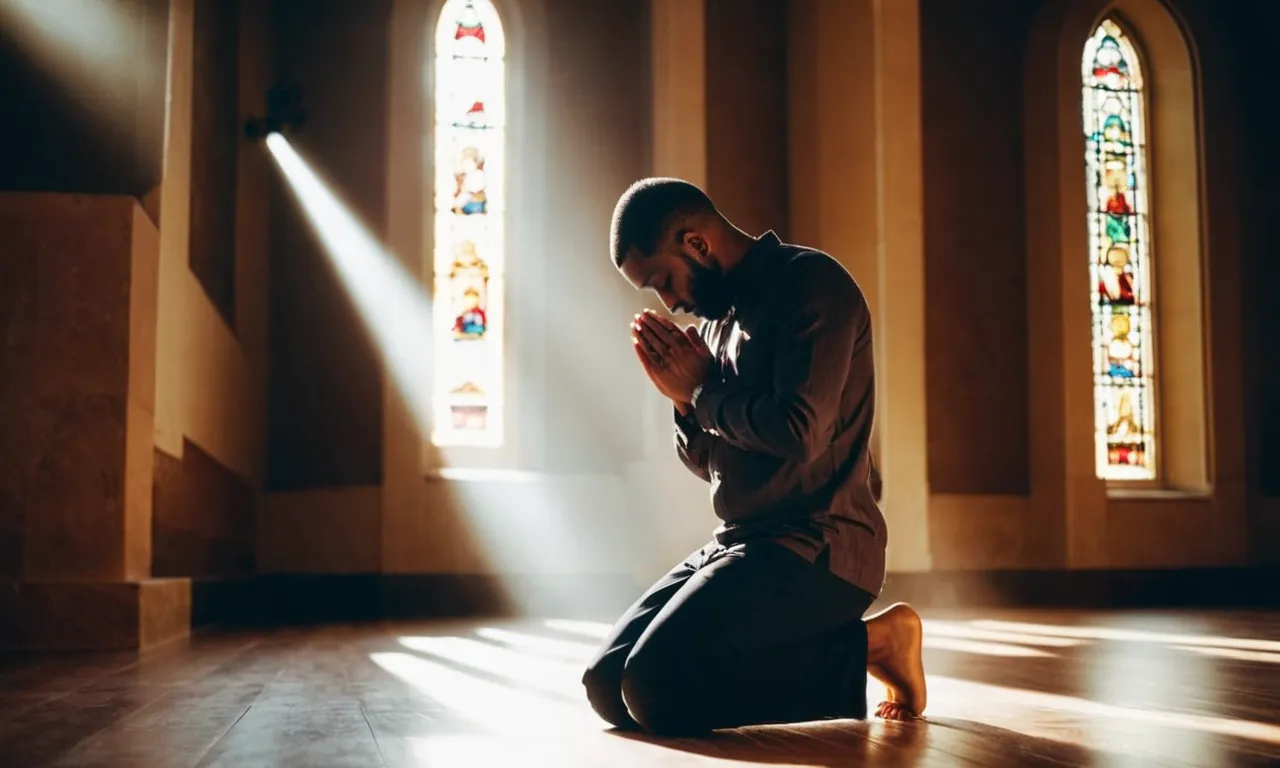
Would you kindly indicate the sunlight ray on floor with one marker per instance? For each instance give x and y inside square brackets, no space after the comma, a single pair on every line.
[565,649]
[556,677]
[1130,635]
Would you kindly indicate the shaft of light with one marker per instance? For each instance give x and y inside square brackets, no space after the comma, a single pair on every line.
[84,41]
[391,302]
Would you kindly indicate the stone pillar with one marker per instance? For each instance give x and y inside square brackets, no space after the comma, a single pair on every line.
[900,322]
[856,192]
[79,276]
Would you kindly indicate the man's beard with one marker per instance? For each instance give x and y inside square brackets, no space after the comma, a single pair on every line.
[709,291]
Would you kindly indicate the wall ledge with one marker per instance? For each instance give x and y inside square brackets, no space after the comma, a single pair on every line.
[302,598]
[81,616]
[1158,494]
[285,599]
[1087,589]
[502,475]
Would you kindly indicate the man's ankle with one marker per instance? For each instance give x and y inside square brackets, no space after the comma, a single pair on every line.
[877,643]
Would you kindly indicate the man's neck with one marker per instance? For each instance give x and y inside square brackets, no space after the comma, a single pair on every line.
[738,244]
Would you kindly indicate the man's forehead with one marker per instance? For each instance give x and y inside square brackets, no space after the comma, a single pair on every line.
[638,268]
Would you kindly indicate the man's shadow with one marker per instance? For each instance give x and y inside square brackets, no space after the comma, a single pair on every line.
[873,742]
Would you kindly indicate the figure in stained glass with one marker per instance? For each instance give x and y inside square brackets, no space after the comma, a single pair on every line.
[1115,132]
[1116,181]
[469,25]
[469,197]
[470,277]
[1121,362]
[474,117]
[468,389]
[470,418]
[471,322]
[1115,282]
[1118,230]
[1110,68]
[1125,434]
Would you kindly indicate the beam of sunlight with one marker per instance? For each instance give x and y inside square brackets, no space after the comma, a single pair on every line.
[478,749]
[546,732]
[558,530]
[486,703]
[76,39]
[556,677]
[1129,635]
[564,649]
[984,648]
[1231,653]
[389,299]
[592,629]
[1080,721]
[965,632]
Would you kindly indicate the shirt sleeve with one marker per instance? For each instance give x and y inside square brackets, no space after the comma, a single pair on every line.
[693,444]
[819,319]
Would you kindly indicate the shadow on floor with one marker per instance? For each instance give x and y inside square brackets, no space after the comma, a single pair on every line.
[855,743]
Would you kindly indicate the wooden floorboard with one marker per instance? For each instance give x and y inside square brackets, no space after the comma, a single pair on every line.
[1006,688]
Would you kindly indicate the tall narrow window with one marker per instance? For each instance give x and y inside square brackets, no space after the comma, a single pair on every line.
[469,207]
[1120,256]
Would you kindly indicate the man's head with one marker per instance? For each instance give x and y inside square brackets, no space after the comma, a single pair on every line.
[668,236]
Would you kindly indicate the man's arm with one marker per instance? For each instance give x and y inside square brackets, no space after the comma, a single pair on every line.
[693,445]
[820,318]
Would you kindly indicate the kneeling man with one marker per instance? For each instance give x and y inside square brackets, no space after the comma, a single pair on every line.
[773,396]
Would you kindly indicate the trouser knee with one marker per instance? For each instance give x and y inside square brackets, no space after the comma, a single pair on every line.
[660,704]
[604,693]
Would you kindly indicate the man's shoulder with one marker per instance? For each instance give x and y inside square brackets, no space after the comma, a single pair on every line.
[812,273]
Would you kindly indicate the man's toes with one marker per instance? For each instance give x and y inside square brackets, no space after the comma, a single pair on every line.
[889,710]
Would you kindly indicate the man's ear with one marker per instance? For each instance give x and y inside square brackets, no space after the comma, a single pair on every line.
[696,243]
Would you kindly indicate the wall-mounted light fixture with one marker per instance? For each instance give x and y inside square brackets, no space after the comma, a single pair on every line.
[284,111]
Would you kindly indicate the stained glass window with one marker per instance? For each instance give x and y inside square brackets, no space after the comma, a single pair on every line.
[1119,256]
[469,205]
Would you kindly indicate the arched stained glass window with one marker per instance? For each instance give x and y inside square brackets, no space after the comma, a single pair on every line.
[1120,256]
[469,205]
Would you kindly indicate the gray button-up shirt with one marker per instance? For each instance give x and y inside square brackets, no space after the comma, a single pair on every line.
[782,426]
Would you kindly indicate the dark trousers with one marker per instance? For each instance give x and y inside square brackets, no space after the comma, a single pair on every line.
[745,635]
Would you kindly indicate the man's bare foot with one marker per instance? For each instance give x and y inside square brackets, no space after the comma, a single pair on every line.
[894,638]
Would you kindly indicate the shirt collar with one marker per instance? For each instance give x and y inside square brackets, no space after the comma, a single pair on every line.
[748,276]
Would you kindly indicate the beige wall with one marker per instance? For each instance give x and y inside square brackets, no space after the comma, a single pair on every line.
[325,531]
[211,382]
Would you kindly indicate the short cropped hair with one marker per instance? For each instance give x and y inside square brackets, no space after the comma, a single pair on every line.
[647,211]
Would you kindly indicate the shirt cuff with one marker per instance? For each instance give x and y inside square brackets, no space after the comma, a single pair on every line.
[686,425]
[706,405]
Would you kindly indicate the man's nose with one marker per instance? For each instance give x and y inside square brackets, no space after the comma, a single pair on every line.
[668,300]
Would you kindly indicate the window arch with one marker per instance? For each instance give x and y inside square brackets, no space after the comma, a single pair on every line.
[469,207]
[1119,238]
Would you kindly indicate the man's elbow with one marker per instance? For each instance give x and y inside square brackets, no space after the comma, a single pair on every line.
[805,441]
[798,446]
[694,462]
[803,448]
[699,469]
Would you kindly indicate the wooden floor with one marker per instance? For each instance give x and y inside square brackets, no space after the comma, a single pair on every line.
[1017,689]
